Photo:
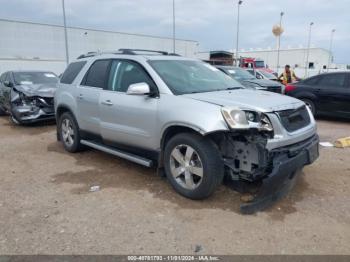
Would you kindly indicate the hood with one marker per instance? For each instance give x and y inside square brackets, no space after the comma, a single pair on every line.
[263,82]
[42,90]
[249,100]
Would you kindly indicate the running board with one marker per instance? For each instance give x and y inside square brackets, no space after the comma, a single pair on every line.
[116,152]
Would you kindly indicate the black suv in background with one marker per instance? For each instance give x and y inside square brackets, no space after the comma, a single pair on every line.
[325,94]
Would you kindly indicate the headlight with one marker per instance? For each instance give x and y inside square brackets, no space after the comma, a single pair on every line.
[28,101]
[252,116]
[235,118]
[239,119]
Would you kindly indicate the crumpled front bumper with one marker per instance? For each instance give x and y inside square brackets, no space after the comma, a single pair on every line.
[287,163]
[30,114]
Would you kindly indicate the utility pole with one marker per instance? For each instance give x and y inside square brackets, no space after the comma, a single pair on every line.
[65,32]
[308,50]
[279,43]
[174,49]
[237,36]
[330,49]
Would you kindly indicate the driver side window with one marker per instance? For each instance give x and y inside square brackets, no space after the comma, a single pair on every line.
[125,73]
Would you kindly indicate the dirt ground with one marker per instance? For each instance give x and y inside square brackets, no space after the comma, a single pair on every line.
[46,206]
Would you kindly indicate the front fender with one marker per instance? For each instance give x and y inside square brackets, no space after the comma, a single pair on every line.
[201,116]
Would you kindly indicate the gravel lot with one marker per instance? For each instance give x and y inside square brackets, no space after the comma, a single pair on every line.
[46,206]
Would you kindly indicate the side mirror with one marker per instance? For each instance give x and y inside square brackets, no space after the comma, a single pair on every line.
[8,84]
[138,89]
[259,76]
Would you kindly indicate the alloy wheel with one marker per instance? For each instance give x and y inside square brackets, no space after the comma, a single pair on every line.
[67,132]
[186,167]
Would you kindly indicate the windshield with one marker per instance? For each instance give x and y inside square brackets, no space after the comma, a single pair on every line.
[239,74]
[185,77]
[30,78]
[267,74]
[259,64]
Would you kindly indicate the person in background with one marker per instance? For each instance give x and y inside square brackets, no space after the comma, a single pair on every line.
[288,76]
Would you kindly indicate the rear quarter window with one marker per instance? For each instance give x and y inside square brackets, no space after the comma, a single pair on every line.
[71,72]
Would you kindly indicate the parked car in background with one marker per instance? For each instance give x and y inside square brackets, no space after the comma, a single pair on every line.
[187,118]
[325,94]
[28,95]
[249,81]
[261,74]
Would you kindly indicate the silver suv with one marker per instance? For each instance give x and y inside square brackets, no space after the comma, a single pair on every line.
[188,119]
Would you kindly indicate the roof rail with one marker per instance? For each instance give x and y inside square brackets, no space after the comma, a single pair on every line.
[126,51]
[134,51]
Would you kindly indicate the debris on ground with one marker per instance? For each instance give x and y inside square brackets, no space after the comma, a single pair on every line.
[94,188]
[342,142]
[326,144]
[197,248]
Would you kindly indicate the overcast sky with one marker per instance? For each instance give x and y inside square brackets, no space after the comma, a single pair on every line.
[210,22]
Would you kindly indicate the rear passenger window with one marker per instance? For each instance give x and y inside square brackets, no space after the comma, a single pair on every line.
[97,74]
[71,72]
[333,80]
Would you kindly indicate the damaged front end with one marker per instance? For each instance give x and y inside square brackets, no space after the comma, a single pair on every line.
[31,108]
[266,174]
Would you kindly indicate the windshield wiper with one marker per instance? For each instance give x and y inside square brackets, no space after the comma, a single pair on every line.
[233,88]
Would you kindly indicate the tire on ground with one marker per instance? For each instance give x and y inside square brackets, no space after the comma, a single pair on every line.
[213,167]
[76,146]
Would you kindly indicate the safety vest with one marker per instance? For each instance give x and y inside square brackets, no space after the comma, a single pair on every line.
[285,77]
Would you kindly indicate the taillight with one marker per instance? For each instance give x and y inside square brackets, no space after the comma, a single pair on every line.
[290,88]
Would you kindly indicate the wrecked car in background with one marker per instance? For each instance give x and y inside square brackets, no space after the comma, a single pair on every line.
[27,96]
[187,118]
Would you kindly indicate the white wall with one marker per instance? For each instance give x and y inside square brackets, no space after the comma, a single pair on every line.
[41,47]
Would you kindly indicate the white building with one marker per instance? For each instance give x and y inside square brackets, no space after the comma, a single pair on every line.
[33,46]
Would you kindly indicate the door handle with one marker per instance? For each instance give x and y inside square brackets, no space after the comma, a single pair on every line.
[107,103]
[80,96]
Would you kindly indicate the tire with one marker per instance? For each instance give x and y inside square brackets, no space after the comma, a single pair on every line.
[68,131]
[310,104]
[184,172]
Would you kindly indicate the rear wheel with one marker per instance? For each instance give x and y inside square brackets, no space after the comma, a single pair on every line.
[310,105]
[69,133]
[193,165]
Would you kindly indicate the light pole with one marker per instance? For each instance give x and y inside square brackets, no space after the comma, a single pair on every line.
[279,43]
[65,32]
[237,36]
[330,49]
[308,50]
[174,26]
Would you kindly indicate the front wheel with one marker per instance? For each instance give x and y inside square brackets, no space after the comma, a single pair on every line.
[193,165]
[69,133]
[310,104]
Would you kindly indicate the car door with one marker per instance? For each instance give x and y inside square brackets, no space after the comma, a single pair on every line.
[128,119]
[345,103]
[88,96]
[332,92]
